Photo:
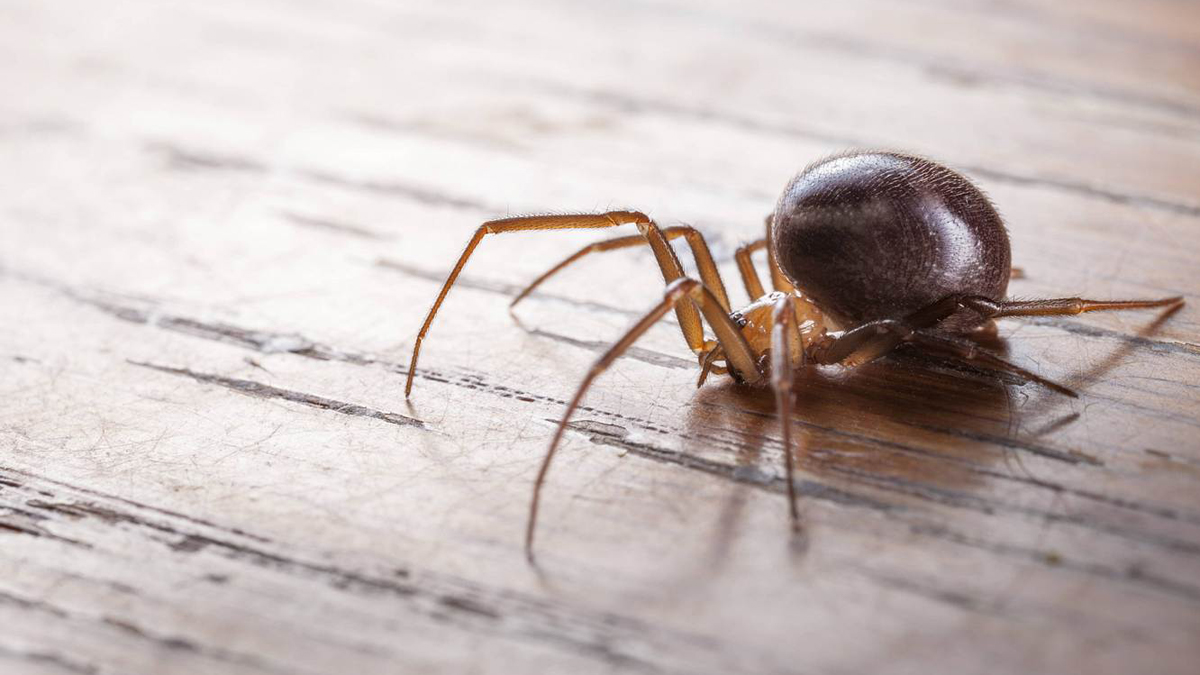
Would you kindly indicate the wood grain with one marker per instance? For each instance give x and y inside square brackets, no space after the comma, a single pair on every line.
[223,223]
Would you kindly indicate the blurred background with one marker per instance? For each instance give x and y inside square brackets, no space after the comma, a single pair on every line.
[695,111]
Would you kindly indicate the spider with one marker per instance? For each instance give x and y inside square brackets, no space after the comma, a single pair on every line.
[866,250]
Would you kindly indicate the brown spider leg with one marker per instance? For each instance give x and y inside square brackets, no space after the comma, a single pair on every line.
[749,274]
[966,351]
[873,339]
[987,308]
[1016,273]
[700,253]
[738,354]
[864,343]
[785,339]
[869,341]
[750,278]
[1070,306]
[685,312]
[708,365]
[689,318]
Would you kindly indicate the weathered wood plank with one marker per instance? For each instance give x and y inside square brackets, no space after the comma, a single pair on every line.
[224,223]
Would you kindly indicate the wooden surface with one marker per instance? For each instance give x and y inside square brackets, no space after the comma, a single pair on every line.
[222,223]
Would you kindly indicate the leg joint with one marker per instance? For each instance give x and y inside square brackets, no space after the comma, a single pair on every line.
[622,217]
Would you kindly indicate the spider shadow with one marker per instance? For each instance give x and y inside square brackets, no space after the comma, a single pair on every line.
[1128,347]
[903,424]
[871,436]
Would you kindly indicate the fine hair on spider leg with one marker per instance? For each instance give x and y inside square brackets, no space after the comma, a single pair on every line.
[517,224]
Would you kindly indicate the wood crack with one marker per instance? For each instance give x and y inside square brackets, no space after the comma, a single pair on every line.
[179,644]
[260,390]
[604,435]
[393,188]
[958,499]
[636,353]
[191,160]
[186,159]
[170,643]
[335,226]
[499,288]
[628,103]
[49,658]
[960,71]
[613,639]
[255,339]
[1077,328]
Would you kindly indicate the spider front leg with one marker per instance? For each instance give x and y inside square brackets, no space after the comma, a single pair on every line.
[701,253]
[689,318]
[786,350]
[681,291]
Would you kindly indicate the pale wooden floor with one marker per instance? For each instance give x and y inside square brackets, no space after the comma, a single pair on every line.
[223,221]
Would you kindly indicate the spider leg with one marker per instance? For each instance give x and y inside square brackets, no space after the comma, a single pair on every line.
[745,265]
[699,247]
[863,343]
[689,318]
[749,274]
[966,351]
[993,309]
[873,339]
[707,365]
[738,355]
[785,341]
[685,312]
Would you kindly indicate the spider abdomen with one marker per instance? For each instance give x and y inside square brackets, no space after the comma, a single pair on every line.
[878,235]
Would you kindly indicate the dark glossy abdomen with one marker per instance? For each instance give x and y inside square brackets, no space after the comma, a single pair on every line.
[879,235]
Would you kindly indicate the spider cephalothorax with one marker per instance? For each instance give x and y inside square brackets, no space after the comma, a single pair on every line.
[756,320]
[866,251]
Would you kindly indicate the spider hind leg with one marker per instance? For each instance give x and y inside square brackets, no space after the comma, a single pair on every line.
[968,352]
